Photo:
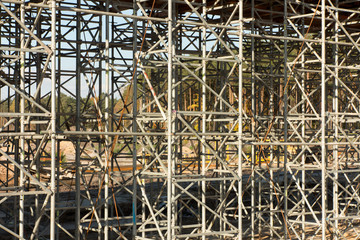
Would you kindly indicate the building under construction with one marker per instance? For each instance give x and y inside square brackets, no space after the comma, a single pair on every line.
[179,119]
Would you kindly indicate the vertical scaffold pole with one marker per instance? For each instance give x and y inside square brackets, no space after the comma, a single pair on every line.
[303,134]
[285,101]
[134,127]
[53,118]
[323,124]
[253,109]
[203,124]
[169,120]
[108,155]
[22,121]
[336,130]
[240,119]
[78,119]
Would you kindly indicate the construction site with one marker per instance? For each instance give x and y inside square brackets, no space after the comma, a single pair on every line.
[179,119]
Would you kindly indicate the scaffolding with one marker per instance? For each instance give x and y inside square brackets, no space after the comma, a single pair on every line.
[179,119]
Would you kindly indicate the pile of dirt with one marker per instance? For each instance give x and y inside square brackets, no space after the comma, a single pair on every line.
[6,171]
[67,148]
[187,152]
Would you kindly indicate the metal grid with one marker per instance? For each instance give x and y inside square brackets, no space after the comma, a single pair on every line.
[183,119]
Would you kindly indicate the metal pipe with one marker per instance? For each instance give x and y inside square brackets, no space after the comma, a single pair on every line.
[170,22]
[336,133]
[253,127]
[77,124]
[134,123]
[107,125]
[96,12]
[203,121]
[53,120]
[285,102]
[22,124]
[240,120]
[323,122]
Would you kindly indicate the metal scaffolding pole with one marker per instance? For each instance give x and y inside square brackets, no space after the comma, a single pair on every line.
[22,124]
[179,119]
[240,122]
[53,121]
